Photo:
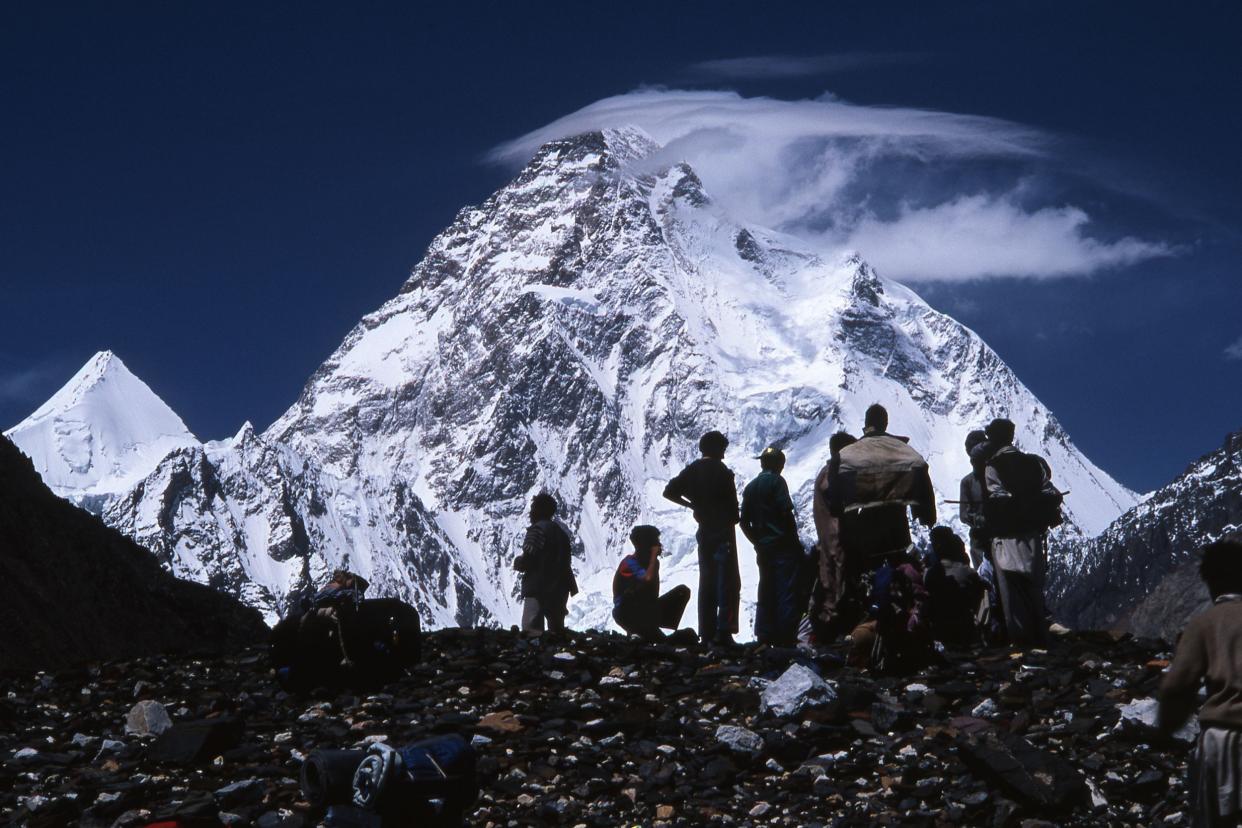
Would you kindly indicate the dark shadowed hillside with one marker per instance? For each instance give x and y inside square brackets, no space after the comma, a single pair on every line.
[1141,575]
[74,590]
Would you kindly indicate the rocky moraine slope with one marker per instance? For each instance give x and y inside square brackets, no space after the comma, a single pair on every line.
[598,730]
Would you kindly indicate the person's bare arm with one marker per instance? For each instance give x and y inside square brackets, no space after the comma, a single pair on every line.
[653,569]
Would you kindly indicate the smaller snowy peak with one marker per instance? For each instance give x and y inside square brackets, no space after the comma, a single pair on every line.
[101,432]
[102,368]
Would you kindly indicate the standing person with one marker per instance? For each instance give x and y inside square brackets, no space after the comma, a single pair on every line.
[877,479]
[973,495]
[1021,505]
[769,523]
[707,487]
[835,605]
[547,571]
[1211,650]
[973,490]
[637,605]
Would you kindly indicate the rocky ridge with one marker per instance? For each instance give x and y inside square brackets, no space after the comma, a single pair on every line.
[73,589]
[1141,574]
[598,730]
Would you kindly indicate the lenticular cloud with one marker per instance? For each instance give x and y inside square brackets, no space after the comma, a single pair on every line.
[925,195]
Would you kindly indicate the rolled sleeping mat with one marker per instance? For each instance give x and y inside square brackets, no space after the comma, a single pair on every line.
[413,778]
[328,776]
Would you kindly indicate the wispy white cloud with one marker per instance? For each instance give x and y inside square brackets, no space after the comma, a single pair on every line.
[923,194]
[772,67]
[1234,351]
[977,235]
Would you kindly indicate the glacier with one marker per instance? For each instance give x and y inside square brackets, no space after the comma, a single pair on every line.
[575,333]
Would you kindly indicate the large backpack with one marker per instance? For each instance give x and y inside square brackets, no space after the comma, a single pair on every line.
[1032,506]
[875,482]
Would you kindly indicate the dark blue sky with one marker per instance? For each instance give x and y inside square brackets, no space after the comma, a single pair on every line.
[217,192]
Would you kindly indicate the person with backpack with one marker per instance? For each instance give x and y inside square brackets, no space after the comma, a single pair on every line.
[546,567]
[835,606]
[1020,507]
[1210,652]
[878,478]
[768,521]
[707,486]
[637,605]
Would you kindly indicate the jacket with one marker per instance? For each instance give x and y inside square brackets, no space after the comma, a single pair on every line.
[546,563]
[768,511]
[708,484]
[877,478]
[628,583]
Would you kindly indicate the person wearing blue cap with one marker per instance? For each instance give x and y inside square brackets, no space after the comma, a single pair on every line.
[769,523]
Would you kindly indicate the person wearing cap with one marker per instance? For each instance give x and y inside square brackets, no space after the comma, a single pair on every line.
[769,523]
[707,486]
[637,605]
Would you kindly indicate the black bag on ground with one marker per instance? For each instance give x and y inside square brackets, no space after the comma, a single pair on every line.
[362,642]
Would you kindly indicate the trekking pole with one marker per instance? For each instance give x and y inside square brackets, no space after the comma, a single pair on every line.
[959,502]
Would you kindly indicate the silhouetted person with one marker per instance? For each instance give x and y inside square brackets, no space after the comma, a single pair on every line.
[955,590]
[973,491]
[877,479]
[707,487]
[637,605]
[333,608]
[769,523]
[1021,505]
[1210,650]
[973,495]
[834,609]
[546,567]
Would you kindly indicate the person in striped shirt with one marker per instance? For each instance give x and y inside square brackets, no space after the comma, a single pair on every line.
[638,606]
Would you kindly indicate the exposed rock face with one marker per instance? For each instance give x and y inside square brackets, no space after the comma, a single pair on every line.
[74,590]
[1141,573]
[576,333]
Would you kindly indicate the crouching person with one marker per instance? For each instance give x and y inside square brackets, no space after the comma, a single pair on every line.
[637,605]
[955,591]
[895,638]
[1211,650]
[334,606]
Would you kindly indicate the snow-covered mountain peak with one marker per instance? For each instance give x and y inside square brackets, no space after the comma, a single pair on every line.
[101,368]
[576,333]
[101,432]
